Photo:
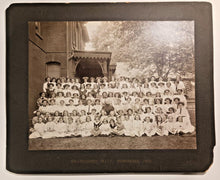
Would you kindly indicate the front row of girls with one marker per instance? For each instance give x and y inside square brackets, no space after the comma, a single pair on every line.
[122,123]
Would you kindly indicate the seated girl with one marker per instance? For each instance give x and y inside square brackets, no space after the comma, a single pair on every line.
[96,126]
[184,119]
[59,97]
[61,106]
[167,104]
[105,128]
[149,127]
[67,98]
[88,127]
[171,124]
[38,129]
[137,126]
[148,113]
[56,117]
[128,126]
[161,128]
[60,128]
[41,98]
[75,99]
[119,126]
[45,85]
[49,129]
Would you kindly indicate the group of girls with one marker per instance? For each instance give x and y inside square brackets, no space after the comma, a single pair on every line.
[123,106]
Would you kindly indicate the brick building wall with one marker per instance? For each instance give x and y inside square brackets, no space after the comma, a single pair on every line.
[51,42]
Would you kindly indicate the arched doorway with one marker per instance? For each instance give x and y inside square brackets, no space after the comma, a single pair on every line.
[88,68]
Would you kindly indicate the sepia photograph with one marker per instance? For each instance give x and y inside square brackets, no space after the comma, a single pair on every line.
[111,85]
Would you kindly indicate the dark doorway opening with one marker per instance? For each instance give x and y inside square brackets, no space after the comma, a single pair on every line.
[88,68]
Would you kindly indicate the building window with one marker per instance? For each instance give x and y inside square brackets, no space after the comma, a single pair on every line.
[38,29]
[53,69]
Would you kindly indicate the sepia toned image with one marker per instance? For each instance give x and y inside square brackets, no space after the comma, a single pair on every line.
[111,85]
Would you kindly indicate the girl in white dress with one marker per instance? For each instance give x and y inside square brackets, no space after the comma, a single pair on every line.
[167,104]
[59,97]
[49,129]
[38,129]
[184,119]
[149,126]
[98,105]
[88,127]
[75,90]
[45,85]
[171,124]
[56,117]
[150,98]
[61,128]
[96,126]
[181,96]
[128,126]
[137,126]
[161,128]
[62,106]
[148,113]
[75,99]
[105,128]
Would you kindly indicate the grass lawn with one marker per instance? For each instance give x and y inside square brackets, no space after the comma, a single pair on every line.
[116,142]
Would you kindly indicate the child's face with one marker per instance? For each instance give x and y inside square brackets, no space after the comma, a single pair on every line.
[97,102]
[180,106]
[65,113]
[167,101]
[97,119]
[110,94]
[52,102]
[152,78]
[112,113]
[137,101]
[105,121]
[48,79]
[180,119]
[130,112]
[83,112]
[71,103]
[56,113]
[159,118]
[43,95]
[137,117]
[44,103]
[170,119]
[40,120]
[148,110]
[168,84]
[68,94]
[147,119]
[62,103]
[88,118]
[148,94]
[93,111]
[74,112]
[176,101]
[47,114]
[50,119]
[70,121]
[179,91]
[38,113]
[60,94]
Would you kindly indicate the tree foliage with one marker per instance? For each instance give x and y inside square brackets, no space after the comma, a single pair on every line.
[153,47]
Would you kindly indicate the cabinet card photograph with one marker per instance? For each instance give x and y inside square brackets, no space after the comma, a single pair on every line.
[111,85]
